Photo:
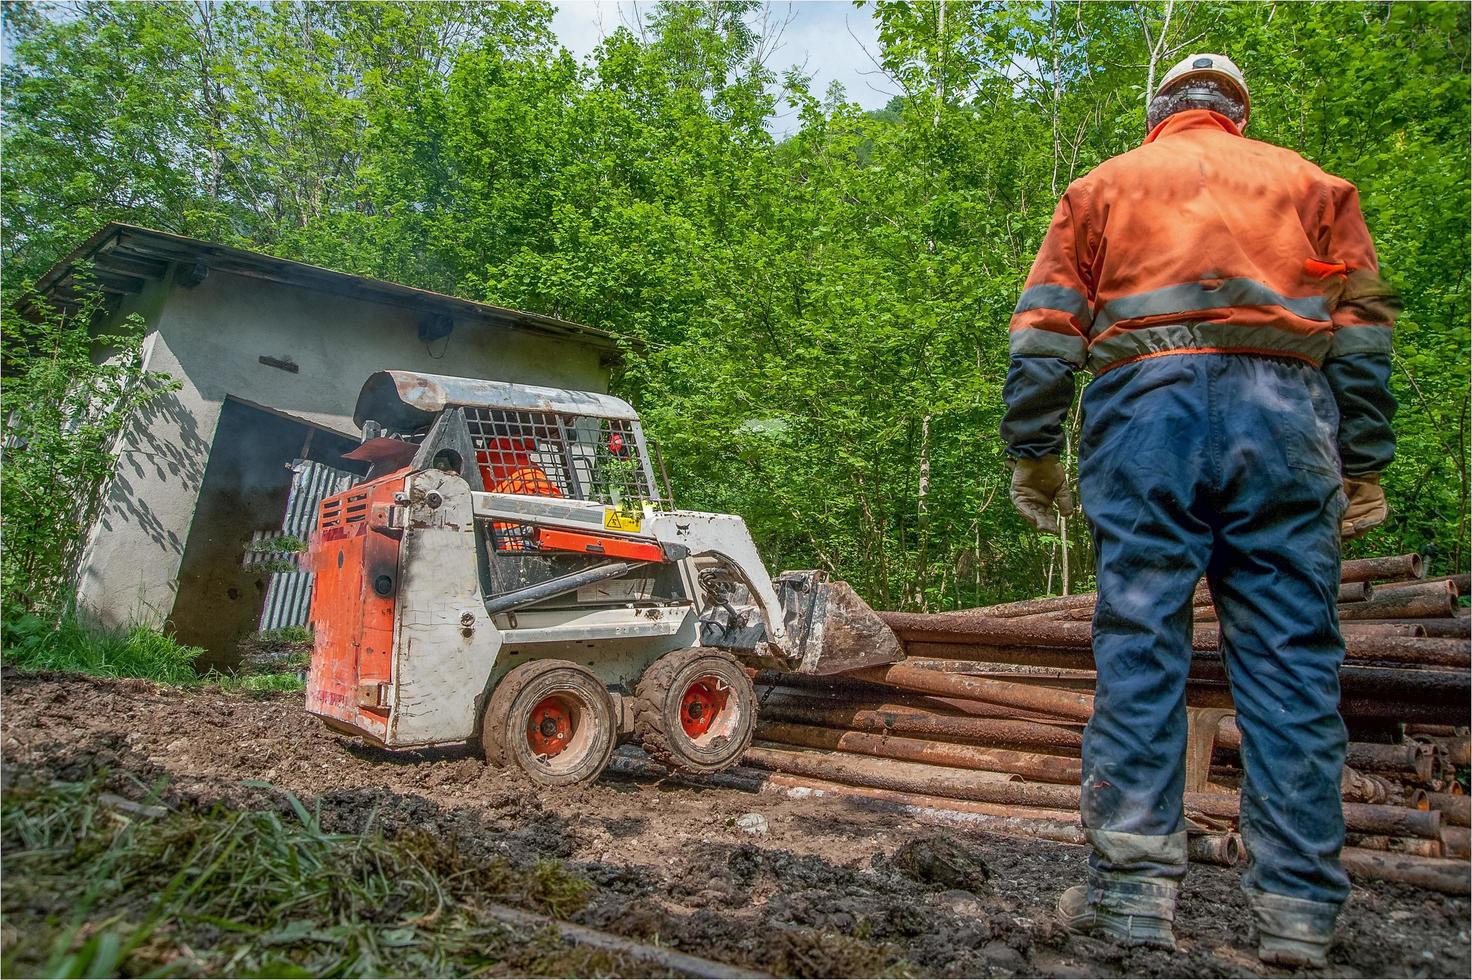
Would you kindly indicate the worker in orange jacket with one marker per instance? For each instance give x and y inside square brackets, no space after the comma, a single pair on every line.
[1225,294]
[506,466]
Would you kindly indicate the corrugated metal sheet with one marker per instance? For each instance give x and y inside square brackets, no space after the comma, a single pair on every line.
[289,594]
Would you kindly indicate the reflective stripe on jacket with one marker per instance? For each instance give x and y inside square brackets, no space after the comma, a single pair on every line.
[1199,240]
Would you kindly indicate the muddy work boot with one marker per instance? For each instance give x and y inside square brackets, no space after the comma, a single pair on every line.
[1293,932]
[1131,911]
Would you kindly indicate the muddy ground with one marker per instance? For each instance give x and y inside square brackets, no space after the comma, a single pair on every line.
[820,893]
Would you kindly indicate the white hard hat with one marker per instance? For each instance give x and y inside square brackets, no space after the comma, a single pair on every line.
[1204,65]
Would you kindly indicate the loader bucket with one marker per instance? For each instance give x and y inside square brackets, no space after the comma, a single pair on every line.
[829,628]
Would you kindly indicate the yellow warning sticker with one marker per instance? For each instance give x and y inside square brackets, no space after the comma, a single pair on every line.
[622,520]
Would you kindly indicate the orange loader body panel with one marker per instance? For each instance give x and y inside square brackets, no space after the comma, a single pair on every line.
[355,558]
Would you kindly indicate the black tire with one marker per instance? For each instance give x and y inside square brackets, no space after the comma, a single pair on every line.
[550,704]
[717,738]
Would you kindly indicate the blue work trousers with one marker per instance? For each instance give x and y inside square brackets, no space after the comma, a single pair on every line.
[1223,465]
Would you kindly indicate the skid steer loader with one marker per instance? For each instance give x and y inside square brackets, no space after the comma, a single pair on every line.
[507,574]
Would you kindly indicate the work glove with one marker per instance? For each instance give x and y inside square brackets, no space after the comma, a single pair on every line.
[1367,508]
[1039,485]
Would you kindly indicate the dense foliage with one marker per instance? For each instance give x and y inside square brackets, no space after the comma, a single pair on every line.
[68,393]
[814,325]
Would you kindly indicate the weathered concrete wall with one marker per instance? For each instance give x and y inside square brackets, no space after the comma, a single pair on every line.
[209,339]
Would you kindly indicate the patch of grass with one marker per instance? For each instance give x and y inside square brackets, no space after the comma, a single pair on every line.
[35,643]
[93,890]
[282,542]
[284,650]
[274,565]
[284,638]
[289,681]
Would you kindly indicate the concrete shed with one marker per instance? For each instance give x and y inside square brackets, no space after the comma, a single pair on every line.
[269,355]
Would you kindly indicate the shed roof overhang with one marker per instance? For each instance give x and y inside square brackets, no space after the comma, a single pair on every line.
[124,258]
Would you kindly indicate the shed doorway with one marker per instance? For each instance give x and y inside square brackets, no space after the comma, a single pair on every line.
[254,458]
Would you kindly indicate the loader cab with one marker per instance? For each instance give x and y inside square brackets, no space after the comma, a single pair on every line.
[521,439]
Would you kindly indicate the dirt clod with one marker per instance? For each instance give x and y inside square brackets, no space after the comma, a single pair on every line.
[942,862]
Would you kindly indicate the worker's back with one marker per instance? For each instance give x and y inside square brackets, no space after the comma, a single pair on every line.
[1201,239]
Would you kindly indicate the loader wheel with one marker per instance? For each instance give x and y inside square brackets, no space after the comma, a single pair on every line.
[551,719]
[695,710]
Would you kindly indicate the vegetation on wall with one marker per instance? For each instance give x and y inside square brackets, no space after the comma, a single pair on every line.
[815,325]
[64,407]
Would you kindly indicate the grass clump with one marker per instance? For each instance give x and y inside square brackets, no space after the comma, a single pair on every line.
[287,681]
[35,643]
[94,890]
[288,543]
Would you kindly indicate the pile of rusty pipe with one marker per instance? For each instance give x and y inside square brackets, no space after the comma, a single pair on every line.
[1067,645]
[1079,706]
[1361,650]
[957,784]
[1456,749]
[894,719]
[1395,567]
[909,777]
[961,629]
[1028,765]
[1412,759]
[1455,810]
[1445,875]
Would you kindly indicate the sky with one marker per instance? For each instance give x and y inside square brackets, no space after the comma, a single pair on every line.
[828,39]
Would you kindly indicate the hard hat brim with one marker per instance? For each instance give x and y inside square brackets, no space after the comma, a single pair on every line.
[1216,73]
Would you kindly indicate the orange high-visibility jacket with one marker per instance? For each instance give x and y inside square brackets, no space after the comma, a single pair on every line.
[1199,240]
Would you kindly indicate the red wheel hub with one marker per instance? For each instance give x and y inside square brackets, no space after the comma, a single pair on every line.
[550,727]
[701,703]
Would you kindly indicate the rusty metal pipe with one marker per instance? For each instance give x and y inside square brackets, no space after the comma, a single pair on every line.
[1065,704]
[1437,601]
[1359,818]
[1445,875]
[1460,582]
[1455,810]
[1451,628]
[909,777]
[1220,849]
[1030,765]
[1411,759]
[1382,569]
[1399,845]
[1361,787]
[1393,821]
[1030,607]
[1456,842]
[794,688]
[894,719]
